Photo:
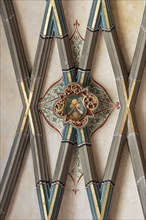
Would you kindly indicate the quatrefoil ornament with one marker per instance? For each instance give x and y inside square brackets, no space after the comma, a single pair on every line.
[76,105]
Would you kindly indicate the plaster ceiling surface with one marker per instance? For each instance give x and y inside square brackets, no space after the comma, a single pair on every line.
[24,205]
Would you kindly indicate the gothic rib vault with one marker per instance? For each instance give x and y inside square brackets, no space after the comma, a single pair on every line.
[54,21]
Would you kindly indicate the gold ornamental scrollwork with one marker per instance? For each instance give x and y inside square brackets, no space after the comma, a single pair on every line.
[76,105]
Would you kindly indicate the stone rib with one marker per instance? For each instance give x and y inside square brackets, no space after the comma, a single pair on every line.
[20,142]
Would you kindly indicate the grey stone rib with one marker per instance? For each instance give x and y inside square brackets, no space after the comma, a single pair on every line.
[88,164]
[143,25]
[139,59]
[6,10]
[63,162]
[37,144]
[115,54]
[134,142]
[11,184]
[66,61]
[135,92]
[88,50]
[139,167]
[37,141]
[65,53]
[39,70]
[137,156]
[86,61]
[15,45]
[114,157]
[20,142]
[66,149]
[120,72]
[136,152]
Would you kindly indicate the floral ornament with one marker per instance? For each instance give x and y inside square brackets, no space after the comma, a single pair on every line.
[53,95]
[76,105]
[105,106]
[76,41]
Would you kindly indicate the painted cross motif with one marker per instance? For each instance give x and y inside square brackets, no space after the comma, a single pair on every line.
[99,194]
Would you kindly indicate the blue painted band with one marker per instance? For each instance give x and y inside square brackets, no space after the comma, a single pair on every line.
[52,25]
[83,137]
[83,78]
[69,76]
[92,198]
[43,198]
[55,200]
[103,19]
[69,133]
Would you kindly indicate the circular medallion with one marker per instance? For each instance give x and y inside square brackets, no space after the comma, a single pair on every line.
[76,105]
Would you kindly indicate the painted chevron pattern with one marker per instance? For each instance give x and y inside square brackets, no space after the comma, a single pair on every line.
[100,16]
[54,20]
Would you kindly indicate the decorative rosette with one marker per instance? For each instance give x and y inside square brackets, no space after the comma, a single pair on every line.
[76,105]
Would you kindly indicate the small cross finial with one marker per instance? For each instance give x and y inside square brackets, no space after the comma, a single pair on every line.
[76,23]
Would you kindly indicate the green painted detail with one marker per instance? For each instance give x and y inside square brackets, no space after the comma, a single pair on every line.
[105,108]
[75,171]
[76,41]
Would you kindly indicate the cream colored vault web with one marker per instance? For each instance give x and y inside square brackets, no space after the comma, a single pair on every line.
[99,193]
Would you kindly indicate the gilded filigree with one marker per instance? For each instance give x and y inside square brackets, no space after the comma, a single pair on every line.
[76,105]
